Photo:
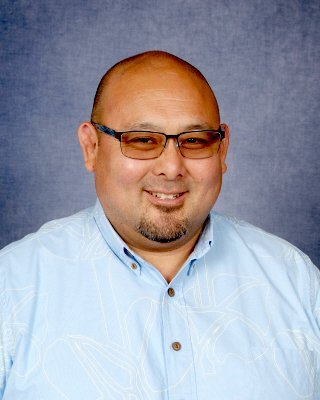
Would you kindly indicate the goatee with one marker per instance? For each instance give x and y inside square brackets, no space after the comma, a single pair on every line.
[166,229]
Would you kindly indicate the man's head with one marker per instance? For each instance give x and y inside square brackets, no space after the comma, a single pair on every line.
[152,59]
[158,203]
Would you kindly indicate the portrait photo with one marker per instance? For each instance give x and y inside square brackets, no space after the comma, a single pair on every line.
[159,207]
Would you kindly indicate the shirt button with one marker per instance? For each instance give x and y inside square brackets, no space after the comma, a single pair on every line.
[176,346]
[134,266]
[171,292]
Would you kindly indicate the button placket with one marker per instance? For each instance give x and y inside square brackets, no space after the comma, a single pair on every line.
[177,343]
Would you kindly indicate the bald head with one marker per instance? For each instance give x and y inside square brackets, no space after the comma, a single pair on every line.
[156,62]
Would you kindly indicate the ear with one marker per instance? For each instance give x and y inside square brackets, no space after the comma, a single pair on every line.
[88,139]
[224,147]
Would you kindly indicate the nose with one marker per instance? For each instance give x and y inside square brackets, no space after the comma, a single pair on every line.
[170,163]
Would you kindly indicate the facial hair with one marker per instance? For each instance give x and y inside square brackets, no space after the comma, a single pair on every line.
[164,229]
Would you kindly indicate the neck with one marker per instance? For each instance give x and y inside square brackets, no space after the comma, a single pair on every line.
[169,262]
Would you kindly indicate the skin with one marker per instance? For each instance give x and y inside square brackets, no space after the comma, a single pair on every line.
[165,96]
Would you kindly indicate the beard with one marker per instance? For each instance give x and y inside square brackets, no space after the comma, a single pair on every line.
[164,229]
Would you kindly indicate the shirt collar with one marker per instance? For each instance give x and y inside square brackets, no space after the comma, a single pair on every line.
[114,241]
[205,241]
[128,257]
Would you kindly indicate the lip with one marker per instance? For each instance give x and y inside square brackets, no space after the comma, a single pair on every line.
[166,202]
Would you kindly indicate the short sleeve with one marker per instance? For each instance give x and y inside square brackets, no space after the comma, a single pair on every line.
[5,337]
[315,291]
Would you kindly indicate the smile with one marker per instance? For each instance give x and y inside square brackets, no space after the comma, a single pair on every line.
[166,196]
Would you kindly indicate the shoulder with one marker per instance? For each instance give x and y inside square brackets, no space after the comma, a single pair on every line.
[269,253]
[65,237]
[253,251]
[255,239]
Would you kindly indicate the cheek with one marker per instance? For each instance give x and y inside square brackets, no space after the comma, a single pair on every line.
[207,174]
[116,171]
[131,172]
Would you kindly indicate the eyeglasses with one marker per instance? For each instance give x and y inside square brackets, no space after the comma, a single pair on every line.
[145,145]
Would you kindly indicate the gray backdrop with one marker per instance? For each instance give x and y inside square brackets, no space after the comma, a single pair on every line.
[261,57]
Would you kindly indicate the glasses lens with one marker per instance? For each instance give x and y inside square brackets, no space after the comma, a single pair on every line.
[142,145]
[202,144]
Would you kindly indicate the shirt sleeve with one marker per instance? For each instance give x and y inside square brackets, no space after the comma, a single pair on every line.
[312,287]
[315,291]
[5,338]
[2,341]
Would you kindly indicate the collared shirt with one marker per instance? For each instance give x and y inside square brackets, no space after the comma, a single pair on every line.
[84,317]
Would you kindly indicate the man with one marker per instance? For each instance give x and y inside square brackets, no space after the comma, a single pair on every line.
[149,294]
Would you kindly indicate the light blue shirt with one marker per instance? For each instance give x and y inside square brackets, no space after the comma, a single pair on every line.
[84,318]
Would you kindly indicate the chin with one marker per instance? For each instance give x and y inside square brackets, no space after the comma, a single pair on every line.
[167,230]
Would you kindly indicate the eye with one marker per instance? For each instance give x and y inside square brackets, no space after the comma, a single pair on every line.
[199,140]
[143,140]
[195,140]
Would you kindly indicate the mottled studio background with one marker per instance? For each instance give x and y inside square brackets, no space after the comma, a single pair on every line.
[261,57]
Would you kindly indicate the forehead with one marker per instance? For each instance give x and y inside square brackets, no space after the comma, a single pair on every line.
[162,90]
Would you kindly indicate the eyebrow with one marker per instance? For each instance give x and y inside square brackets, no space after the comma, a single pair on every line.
[148,126]
[144,126]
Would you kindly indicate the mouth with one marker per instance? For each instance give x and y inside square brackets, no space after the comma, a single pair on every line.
[166,196]
[173,199]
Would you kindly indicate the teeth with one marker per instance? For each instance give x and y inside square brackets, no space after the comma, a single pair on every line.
[164,196]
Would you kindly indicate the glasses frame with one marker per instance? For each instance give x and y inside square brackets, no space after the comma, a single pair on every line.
[118,134]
